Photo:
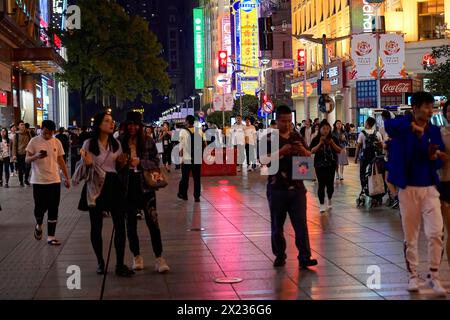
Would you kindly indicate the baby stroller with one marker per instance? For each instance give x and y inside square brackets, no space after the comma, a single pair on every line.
[374,187]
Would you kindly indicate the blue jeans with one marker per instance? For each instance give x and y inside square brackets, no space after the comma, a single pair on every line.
[292,202]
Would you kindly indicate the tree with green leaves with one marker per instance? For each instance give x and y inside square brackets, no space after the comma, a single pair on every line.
[439,77]
[113,53]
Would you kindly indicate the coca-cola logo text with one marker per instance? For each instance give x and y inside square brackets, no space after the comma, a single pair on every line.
[395,88]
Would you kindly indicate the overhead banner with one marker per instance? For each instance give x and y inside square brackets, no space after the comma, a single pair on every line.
[199,49]
[362,15]
[246,44]
[364,56]
[392,54]
[248,11]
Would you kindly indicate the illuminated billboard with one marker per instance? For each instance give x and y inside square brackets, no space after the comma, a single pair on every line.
[247,44]
[199,49]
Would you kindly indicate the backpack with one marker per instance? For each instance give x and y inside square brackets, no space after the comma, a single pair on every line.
[372,146]
[193,146]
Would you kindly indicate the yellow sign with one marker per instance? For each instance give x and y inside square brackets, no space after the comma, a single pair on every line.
[249,45]
[139,110]
[297,90]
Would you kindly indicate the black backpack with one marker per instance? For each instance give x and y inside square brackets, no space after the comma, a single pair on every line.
[194,148]
[372,146]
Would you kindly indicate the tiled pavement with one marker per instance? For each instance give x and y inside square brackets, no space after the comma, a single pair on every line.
[235,243]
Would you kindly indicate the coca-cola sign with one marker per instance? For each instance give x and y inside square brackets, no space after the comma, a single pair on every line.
[395,87]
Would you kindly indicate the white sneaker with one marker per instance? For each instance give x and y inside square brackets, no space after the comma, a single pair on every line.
[413,284]
[138,263]
[322,208]
[436,285]
[161,265]
[330,204]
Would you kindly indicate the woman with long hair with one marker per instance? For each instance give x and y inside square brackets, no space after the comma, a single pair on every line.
[166,138]
[445,177]
[5,156]
[325,147]
[142,154]
[340,134]
[102,153]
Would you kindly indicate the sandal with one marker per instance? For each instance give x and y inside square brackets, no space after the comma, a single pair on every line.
[37,234]
[54,242]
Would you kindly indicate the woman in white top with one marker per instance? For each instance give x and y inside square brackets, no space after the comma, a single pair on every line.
[445,177]
[104,151]
[5,156]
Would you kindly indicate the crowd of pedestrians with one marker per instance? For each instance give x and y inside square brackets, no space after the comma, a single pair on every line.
[411,155]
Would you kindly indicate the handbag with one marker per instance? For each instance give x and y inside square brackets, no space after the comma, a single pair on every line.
[155,179]
[82,204]
[159,147]
[376,182]
[302,168]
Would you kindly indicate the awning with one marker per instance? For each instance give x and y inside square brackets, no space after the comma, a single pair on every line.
[38,60]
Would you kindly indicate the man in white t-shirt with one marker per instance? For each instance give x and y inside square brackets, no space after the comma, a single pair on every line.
[46,155]
[238,140]
[250,143]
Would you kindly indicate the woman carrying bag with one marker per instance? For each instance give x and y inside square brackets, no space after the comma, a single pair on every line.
[340,134]
[103,191]
[142,156]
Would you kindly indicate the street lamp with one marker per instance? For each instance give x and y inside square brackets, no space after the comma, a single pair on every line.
[193,104]
[200,94]
[240,93]
[186,101]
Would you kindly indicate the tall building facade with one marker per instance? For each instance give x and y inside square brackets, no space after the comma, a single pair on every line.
[277,81]
[316,18]
[217,37]
[423,23]
[28,60]
[169,21]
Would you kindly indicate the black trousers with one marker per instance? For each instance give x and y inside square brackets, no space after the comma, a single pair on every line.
[4,164]
[167,156]
[186,169]
[151,219]
[23,168]
[325,177]
[46,199]
[136,200]
[109,200]
[292,202]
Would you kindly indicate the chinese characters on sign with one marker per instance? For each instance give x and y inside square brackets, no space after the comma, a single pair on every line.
[199,51]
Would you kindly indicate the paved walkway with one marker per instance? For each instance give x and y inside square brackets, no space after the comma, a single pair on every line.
[235,243]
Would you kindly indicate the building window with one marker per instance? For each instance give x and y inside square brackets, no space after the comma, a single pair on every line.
[431,16]
[173,65]
[173,34]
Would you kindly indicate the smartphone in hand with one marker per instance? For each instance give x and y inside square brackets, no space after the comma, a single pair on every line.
[43,153]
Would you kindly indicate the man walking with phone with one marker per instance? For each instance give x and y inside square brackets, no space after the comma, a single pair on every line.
[46,156]
[286,195]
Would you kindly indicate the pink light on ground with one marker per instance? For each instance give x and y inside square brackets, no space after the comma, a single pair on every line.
[223,181]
